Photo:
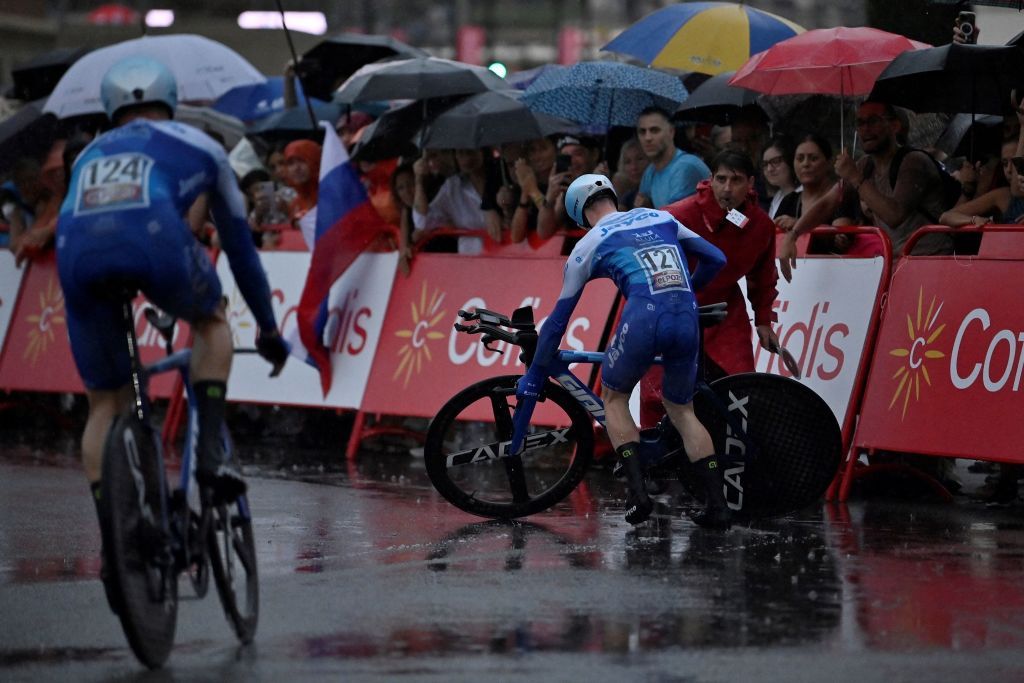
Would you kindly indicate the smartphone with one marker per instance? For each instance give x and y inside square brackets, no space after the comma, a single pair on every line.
[1018,163]
[562,162]
[965,22]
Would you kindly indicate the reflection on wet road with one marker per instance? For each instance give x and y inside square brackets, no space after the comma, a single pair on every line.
[366,572]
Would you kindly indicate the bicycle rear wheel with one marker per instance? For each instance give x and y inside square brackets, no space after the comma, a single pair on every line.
[137,557]
[797,437]
[466,451]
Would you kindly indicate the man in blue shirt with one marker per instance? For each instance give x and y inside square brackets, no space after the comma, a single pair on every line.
[645,253]
[672,174]
[122,221]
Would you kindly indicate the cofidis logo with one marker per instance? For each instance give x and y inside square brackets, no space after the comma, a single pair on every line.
[426,315]
[48,316]
[923,334]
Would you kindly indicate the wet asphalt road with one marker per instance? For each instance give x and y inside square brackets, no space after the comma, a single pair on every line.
[367,574]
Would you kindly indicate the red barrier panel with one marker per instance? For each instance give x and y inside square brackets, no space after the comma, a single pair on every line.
[947,370]
[37,355]
[421,361]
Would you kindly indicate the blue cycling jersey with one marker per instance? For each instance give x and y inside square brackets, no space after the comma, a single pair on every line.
[159,168]
[123,221]
[644,251]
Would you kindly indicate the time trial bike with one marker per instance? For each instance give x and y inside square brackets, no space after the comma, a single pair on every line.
[153,533]
[778,441]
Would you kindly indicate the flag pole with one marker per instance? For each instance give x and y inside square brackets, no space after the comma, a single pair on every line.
[295,68]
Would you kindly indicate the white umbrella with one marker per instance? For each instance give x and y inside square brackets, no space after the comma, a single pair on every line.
[230,128]
[203,68]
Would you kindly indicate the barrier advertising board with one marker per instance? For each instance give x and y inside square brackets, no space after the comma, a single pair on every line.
[358,301]
[10,283]
[422,361]
[947,369]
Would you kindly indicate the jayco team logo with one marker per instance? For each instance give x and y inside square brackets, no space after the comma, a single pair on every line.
[426,315]
[923,332]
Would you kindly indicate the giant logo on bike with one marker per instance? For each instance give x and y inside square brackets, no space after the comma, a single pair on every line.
[949,362]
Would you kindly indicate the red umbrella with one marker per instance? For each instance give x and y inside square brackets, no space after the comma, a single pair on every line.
[830,61]
[113,15]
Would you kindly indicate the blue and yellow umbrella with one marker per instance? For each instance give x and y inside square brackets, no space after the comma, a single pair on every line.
[709,37]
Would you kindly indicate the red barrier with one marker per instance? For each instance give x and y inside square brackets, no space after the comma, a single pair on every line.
[37,355]
[947,370]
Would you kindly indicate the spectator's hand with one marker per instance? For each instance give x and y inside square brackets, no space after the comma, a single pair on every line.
[785,223]
[602,168]
[557,184]
[507,198]
[273,349]
[642,201]
[842,242]
[405,261]
[420,168]
[32,244]
[787,256]
[846,168]
[526,177]
[769,341]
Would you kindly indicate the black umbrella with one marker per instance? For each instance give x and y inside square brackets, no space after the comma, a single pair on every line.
[416,79]
[715,101]
[396,132]
[294,123]
[952,78]
[328,63]
[489,119]
[38,76]
[27,132]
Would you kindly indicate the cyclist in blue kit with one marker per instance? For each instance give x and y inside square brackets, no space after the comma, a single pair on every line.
[122,223]
[645,253]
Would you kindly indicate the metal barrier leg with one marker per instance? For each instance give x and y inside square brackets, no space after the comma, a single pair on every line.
[356,436]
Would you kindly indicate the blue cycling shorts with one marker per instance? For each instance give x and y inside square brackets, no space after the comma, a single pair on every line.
[648,329]
[151,249]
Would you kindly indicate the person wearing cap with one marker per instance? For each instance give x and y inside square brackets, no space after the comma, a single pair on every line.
[672,174]
[645,253]
[576,156]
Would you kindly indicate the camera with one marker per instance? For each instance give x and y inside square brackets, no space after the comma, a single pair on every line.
[965,22]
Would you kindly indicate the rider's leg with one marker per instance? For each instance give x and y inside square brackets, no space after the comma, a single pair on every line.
[625,437]
[212,353]
[701,452]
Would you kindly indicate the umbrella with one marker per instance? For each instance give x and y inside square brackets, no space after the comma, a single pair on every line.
[953,78]
[716,101]
[338,57]
[229,128]
[710,37]
[256,100]
[416,79]
[396,132]
[1013,4]
[604,93]
[292,124]
[203,68]
[489,119]
[521,80]
[835,61]
[38,76]
[26,132]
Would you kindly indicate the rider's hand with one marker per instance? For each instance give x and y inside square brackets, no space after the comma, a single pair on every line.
[273,349]
[530,384]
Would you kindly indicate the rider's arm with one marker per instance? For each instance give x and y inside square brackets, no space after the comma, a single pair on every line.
[710,258]
[576,273]
[228,208]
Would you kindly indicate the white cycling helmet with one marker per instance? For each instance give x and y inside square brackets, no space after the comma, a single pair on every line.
[582,191]
[138,80]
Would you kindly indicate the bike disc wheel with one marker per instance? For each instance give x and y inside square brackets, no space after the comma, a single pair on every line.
[232,554]
[467,458]
[798,441]
[146,583]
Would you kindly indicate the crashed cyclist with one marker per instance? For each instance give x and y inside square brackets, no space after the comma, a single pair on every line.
[645,252]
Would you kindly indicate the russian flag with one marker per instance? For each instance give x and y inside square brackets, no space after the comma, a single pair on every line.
[346,225]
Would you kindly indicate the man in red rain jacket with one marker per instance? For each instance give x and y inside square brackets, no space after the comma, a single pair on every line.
[725,212]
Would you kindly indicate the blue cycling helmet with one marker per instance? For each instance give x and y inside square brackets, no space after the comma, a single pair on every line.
[584,190]
[138,80]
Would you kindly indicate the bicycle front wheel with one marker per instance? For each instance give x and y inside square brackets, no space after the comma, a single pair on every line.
[467,458]
[232,554]
[137,557]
